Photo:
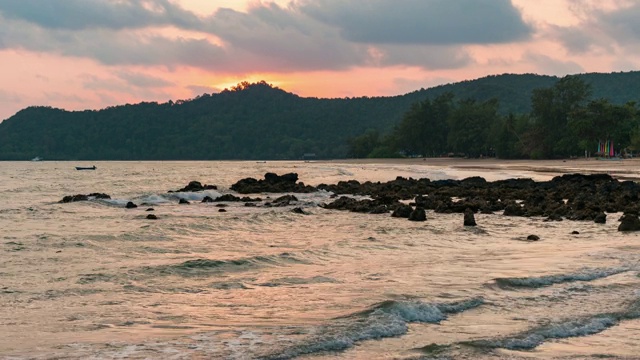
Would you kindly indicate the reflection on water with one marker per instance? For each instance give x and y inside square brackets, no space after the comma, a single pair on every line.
[93,279]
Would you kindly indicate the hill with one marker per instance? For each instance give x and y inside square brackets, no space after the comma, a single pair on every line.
[254,121]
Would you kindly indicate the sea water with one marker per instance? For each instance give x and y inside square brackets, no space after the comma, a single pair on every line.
[92,279]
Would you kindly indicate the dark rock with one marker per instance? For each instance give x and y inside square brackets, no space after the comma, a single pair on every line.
[222,210]
[183,201]
[601,218]
[513,209]
[469,218]
[152,217]
[299,211]
[150,209]
[131,205]
[402,211]
[284,200]
[575,232]
[250,204]
[533,237]
[418,215]
[207,199]
[195,186]
[629,222]
[553,217]
[380,209]
[227,198]
[272,183]
[81,197]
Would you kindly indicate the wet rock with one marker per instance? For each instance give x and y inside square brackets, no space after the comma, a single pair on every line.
[533,237]
[207,199]
[250,204]
[629,222]
[418,215]
[513,209]
[150,209]
[183,201]
[601,218]
[222,210]
[553,217]
[469,218]
[152,217]
[299,210]
[272,183]
[81,197]
[195,186]
[575,232]
[284,200]
[402,211]
[131,205]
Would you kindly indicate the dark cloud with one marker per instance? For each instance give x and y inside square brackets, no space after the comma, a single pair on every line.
[436,22]
[304,36]
[89,14]
[622,25]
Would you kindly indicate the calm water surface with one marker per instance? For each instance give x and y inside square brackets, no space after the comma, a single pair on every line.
[95,280]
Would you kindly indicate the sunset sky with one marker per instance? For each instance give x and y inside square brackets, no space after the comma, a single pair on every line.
[88,54]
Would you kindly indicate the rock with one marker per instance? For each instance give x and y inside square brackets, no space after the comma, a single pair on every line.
[195,186]
[81,197]
[575,232]
[227,198]
[533,237]
[222,210]
[418,215]
[299,211]
[553,217]
[183,201]
[152,217]
[150,209]
[629,222]
[284,200]
[207,199]
[272,183]
[131,205]
[469,218]
[250,204]
[601,218]
[402,211]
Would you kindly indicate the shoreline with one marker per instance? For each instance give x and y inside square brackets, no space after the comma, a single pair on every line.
[626,169]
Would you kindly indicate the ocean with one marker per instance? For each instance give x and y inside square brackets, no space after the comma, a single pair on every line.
[95,280]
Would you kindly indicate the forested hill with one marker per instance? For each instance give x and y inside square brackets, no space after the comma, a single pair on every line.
[254,121]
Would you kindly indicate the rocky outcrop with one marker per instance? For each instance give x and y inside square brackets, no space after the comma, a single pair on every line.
[195,186]
[272,183]
[418,214]
[80,197]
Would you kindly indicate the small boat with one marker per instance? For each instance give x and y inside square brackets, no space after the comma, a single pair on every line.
[85,167]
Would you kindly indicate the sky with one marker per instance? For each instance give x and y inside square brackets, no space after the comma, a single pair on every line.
[90,54]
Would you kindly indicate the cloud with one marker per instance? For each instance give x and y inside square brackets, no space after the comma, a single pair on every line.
[551,66]
[9,97]
[142,80]
[91,14]
[197,90]
[433,22]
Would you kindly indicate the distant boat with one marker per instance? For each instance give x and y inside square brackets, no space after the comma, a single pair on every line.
[37,158]
[85,167]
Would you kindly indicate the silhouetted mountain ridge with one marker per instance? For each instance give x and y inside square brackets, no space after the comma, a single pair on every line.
[254,121]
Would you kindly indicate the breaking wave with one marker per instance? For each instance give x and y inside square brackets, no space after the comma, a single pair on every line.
[387,319]
[207,266]
[548,280]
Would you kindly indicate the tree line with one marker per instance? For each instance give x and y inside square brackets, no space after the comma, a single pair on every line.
[565,120]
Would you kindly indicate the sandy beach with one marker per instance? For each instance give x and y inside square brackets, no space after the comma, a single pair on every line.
[627,169]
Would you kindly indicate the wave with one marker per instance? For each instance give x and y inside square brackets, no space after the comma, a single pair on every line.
[548,280]
[387,319]
[561,330]
[206,266]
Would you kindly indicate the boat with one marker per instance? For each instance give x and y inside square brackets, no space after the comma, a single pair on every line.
[86,167]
